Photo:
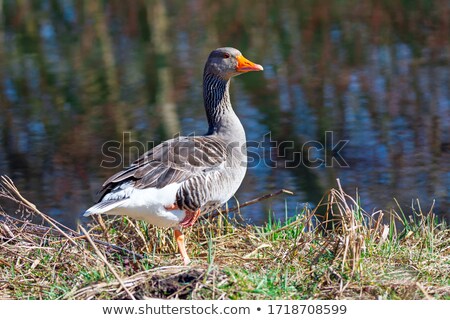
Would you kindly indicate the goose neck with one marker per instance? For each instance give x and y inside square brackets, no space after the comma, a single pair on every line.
[221,118]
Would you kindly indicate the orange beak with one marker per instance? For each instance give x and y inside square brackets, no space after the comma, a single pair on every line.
[245,65]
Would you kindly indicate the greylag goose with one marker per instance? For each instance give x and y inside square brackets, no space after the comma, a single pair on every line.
[174,183]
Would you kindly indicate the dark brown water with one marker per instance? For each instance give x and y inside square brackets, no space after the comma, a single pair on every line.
[77,74]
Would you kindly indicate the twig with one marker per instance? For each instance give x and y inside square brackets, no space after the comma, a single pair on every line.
[109,245]
[253,201]
[10,185]
[425,293]
[14,193]
[110,267]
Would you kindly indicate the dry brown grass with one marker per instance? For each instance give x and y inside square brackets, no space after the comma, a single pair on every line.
[362,256]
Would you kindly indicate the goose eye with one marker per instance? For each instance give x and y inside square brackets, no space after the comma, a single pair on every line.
[226,55]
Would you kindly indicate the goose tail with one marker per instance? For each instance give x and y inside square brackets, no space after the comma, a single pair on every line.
[103,207]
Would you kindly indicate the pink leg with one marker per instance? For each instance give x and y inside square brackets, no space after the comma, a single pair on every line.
[171,207]
[190,219]
[181,246]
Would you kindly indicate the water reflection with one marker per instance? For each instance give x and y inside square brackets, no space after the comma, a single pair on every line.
[75,74]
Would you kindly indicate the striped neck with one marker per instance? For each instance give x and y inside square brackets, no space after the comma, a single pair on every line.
[216,97]
[222,120]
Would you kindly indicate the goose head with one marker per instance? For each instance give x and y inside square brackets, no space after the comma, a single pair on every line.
[228,62]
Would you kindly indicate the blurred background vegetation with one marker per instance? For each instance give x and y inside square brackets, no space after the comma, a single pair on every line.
[76,74]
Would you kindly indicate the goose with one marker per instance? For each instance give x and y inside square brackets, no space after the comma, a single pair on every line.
[182,178]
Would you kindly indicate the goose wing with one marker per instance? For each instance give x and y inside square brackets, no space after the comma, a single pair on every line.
[173,161]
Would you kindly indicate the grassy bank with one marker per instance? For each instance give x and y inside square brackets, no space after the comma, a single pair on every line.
[389,255]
